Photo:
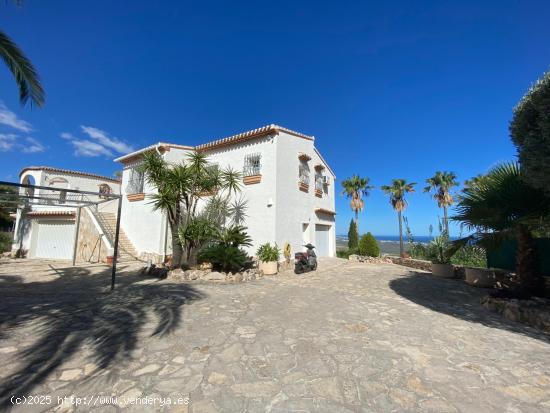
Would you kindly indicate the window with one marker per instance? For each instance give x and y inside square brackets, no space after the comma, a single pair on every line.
[62,183]
[252,165]
[318,182]
[104,190]
[303,173]
[135,182]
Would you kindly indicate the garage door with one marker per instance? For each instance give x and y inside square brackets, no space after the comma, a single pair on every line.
[322,240]
[54,239]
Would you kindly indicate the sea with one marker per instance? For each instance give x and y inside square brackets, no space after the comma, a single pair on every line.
[391,238]
[389,244]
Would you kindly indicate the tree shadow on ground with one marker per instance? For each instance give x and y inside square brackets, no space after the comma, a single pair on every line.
[456,298]
[78,309]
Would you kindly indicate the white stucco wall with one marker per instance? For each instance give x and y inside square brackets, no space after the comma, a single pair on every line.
[296,207]
[51,179]
[261,217]
[276,207]
[139,221]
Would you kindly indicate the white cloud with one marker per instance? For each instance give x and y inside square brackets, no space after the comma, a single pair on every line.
[33,146]
[12,142]
[100,144]
[8,118]
[67,135]
[108,142]
[7,141]
[89,148]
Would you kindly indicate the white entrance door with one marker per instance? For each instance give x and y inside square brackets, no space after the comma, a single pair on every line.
[54,239]
[322,240]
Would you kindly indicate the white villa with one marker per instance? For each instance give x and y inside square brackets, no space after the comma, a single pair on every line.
[288,186]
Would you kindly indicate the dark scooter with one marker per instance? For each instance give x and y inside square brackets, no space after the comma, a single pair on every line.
[305,261]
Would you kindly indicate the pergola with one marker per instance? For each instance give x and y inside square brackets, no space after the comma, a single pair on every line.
[26,197]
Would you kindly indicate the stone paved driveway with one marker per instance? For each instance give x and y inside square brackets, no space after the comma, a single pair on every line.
[349,338]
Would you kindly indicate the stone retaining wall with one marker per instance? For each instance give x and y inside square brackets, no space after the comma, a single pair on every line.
[534,312]
[209,275]
[412,263]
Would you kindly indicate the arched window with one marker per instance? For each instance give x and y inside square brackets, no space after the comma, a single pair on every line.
[62,183]
[105,189]
[28,180]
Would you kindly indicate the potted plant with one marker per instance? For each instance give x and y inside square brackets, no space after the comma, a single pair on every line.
[440,251]
[269,258]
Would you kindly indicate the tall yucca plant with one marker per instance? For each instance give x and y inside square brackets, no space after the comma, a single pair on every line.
[440,184]
[501,206]
[355,188]
[23,71]
[180,188]
[397,191]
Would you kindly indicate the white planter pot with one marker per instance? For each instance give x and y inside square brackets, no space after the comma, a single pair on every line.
[268,267]
[480,277]
[443,270]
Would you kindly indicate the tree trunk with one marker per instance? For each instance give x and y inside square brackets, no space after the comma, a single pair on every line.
[357,221]
[401,248]
[526,263]
[177,250]
[446,220]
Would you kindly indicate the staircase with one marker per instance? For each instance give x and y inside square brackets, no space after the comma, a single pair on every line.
[126,251]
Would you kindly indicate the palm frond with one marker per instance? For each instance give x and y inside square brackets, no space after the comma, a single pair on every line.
[23,71]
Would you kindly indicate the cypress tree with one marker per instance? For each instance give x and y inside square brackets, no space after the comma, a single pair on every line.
[353,236]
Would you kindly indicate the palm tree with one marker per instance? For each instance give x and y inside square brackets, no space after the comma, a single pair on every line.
[397,191]
[356,188]
[502,206]
[23,71]
[180,188]
[441,183]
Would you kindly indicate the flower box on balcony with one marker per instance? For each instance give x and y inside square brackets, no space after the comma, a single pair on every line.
[318,193]
[136,197]
[252,179]
[303,187]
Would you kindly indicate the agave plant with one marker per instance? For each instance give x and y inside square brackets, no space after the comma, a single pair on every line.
[502,206]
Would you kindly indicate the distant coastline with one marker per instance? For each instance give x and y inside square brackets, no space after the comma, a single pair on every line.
[389,244]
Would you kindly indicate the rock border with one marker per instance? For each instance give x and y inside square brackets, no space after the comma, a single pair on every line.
[215,276]
[534,312]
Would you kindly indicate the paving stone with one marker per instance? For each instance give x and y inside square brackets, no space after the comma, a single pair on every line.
[349,337]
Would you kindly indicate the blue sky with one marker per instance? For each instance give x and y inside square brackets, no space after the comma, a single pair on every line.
[389,89]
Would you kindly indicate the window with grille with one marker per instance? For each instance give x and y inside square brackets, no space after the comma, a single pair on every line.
[252,164]
[303,174]
[319,182]
[135,182]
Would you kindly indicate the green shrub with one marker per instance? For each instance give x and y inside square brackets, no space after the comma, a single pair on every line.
[368,246]
[5,241]
[345,252]
[418,251]
[353,236]
[224,258]
[267,252]
[470,256]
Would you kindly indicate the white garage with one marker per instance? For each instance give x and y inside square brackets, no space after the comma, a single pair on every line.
[322,240]
[53,238]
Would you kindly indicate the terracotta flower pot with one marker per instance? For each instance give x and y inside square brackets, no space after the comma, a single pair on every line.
[443,270]
[110,259]
[268,267]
